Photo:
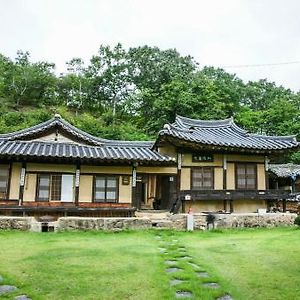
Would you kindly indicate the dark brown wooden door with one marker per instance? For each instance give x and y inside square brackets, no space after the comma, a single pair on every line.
[168,191]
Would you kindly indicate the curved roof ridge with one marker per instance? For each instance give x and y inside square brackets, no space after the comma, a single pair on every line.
[275,137]
[58,121]
[189,122]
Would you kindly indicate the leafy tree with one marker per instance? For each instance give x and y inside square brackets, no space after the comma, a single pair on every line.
[31,83]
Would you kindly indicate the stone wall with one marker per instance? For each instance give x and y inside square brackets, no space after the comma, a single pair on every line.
[19,223]
[176,222]
[254,220]
[115,224]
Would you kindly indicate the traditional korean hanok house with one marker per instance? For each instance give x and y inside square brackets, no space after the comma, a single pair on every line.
[56,169]
[222,167]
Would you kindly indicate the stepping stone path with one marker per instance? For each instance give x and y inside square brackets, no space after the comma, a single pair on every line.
[170,262]
[172,270]
[176,281]
[183,294]
[6,289]
[202,274]
[22,297]
[184,257]
[180,253]
[225,297]
[212,285]
[193,265]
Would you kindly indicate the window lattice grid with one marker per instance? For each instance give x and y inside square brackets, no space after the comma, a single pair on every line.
[56,187]
[106,189]
[246,176]
[4,177]
[43,192]
[202,178]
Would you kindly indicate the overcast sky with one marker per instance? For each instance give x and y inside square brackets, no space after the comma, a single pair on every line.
[215,32]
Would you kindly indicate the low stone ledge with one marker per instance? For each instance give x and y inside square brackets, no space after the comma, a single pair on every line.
[114,224]
[18,223]
[254,220]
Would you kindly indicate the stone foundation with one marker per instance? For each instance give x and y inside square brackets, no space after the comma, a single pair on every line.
[176,222]
[19,223]
[78,223]
[254,220]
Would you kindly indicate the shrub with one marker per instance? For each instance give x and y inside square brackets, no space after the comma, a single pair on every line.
[297,221]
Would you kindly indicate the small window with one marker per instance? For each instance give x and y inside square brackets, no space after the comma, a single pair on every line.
[246,176]
[106,189]
[202,178]
[4,178]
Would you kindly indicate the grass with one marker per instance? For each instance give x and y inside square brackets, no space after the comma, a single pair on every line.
[248,264]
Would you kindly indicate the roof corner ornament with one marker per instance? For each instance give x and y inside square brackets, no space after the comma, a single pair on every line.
[57,116]
[167,127]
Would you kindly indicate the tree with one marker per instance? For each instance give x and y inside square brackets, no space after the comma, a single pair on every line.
[30,83]
[109,81]
[73,86]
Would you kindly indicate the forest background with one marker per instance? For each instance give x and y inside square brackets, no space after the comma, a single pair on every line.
[130,94]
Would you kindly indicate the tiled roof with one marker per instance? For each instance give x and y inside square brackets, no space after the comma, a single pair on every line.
[58,123]
[225,134]
[107,153]
[23,144]
[285,170]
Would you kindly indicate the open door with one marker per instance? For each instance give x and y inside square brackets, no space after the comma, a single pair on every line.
[168,191]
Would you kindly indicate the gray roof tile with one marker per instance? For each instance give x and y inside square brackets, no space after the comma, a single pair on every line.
[224,133]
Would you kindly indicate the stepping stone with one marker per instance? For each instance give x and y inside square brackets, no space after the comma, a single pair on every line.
[193,265]
[5,289]
[225,297]
[170,262]
[184,257]
[173,270]
[183,294]
[1,278]
[202,274]
[212,285]
[22,297]
[176,281]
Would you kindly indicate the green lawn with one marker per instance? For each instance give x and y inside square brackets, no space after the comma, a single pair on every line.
[247,264]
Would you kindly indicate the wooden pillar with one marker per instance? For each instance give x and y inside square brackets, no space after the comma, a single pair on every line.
[133,188]
[284,205]
[22,183]
[179,164]
[266,172]
[77,183]
[225,179]
[231,206]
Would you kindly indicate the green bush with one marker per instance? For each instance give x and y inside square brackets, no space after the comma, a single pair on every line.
[297,221]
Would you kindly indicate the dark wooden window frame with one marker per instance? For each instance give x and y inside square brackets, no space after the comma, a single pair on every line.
[37,198]
[212,187]
[8,180]
[106,189]
[236,176]
[50,174]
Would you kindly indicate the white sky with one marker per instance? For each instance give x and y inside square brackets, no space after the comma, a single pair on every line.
[215,32]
